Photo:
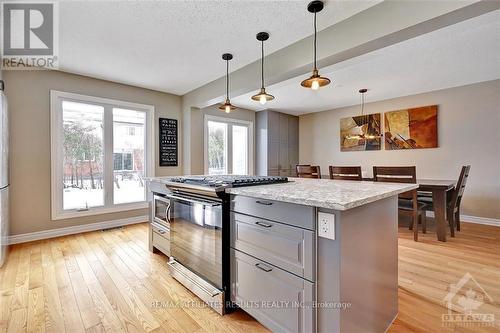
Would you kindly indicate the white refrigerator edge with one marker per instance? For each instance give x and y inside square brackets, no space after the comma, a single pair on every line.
[4,177]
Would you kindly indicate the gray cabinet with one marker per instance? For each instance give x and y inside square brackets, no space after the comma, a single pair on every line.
[288,213]
[287,247]
[283,127]
[277,143]
[273,262]
[272,118]
[273,155]
[284,162]
[278,299]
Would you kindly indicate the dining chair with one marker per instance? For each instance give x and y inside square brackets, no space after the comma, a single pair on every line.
[454,200]
[345,172]
[407,201]
[308,171]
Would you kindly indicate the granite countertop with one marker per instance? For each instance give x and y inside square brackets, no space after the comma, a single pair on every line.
[325,193]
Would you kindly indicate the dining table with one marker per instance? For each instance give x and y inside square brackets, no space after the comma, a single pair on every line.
[439,189]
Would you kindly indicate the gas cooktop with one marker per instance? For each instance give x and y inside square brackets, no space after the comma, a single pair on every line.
[229,180]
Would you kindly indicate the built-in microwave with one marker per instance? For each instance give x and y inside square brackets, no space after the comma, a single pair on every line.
[161,210]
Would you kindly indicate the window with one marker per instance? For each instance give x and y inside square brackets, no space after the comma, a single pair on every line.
[101,151]
[122,162]
[228,146]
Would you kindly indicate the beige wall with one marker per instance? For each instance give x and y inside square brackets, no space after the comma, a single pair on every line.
[468,131]
[29,108]
[197,132]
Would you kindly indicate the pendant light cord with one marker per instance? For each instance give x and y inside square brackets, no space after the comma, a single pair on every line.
[315,32]
[227,79]
[362,103]
[262,64]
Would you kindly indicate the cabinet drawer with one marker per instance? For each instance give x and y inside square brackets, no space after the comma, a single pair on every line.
[161,230]
[287,247]
[293,214]
[279,300]
[161,239]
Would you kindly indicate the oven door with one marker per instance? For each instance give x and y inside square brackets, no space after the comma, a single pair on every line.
[161,210]
[196,235]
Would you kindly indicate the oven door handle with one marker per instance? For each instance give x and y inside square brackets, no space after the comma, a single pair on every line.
[204,203]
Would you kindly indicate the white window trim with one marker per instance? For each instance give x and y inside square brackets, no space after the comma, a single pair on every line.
[232,121]
[56,98]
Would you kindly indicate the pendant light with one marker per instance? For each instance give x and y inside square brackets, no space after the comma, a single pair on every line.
[315,81]
[227,107]
[262,96]
[363,119]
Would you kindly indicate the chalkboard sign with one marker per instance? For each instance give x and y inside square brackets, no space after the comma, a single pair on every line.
[168,142]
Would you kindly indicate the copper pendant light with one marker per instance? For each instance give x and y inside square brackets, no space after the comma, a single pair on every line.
[315,81]
[227,107]
[262,96]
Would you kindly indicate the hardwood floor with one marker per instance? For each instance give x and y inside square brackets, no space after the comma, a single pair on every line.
[109,281]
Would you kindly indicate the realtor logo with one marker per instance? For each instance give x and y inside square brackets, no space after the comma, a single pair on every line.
[464,302]
[29,35]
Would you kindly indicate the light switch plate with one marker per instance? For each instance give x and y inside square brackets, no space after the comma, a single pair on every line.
[326,225]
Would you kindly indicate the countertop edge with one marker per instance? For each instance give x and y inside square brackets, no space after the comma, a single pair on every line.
[308,202]
[327,205]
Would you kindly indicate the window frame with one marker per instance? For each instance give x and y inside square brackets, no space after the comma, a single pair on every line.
[56,141]
[230,122]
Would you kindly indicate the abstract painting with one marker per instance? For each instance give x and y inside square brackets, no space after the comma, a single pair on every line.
[411,128]
[360,133]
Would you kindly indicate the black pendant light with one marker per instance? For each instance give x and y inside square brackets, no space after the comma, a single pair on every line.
[262,96]
[227,107]
[364,119]
[315,81]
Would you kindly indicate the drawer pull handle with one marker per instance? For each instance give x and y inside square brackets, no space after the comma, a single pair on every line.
[265,203]
[161,232]
[265,268]
[263,224]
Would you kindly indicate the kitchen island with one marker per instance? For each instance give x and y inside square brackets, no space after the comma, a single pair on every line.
[314,254]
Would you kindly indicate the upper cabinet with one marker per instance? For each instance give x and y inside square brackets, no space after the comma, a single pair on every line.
[274,130]
[277,146]
[293,132]
[283,127]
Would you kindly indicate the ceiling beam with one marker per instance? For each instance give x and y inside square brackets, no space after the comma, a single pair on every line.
[382,25]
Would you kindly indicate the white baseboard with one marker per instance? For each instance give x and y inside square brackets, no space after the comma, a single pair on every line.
[474,219]
[46,234]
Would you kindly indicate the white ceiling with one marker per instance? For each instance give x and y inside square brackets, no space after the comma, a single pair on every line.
[176,46]
[464,53]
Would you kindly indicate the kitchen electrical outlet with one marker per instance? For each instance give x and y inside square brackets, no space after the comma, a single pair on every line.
[326,225]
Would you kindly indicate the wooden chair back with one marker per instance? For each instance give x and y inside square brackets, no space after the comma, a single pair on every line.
[308,171]
[456,197]
[397,174]
[345,172]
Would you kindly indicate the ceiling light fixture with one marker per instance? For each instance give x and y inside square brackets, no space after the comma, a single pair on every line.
[316,80]
[364,120]
[227,107]
[262,96]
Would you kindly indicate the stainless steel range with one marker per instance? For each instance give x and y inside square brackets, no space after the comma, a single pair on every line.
[194,211]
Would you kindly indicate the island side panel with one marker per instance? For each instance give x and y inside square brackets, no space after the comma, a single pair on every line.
[369,266]
[328,281]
